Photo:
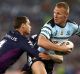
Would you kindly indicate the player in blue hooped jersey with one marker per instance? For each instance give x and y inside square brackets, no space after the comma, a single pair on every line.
[15,42]
[58,29]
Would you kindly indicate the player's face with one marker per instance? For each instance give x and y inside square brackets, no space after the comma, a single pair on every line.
[27,27]
[60,16]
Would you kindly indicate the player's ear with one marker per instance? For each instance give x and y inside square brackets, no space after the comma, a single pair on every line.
[67,15]
[23,25]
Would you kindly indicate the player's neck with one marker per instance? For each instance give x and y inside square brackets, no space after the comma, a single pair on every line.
[63,24]
[20,31]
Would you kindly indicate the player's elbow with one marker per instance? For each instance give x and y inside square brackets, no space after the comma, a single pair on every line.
[40,43]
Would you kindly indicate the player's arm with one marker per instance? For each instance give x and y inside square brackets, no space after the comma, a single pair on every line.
[55,58]
[32,51]
[47,44]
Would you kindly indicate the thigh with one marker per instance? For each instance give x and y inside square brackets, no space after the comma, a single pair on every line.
[38,68]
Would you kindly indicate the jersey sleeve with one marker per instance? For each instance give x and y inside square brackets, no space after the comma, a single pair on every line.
[26,46]
[78,31]
[46,30]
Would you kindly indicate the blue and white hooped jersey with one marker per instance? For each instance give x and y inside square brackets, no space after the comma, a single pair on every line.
[58,34]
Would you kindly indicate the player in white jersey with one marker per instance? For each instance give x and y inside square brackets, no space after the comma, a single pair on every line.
[58,29]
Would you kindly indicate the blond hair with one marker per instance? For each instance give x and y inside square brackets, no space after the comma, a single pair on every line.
[63,5]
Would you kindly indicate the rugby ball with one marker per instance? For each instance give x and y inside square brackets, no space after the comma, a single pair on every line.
[69,44]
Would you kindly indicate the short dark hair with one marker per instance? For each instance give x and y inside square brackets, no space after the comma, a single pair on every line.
[64,5]
[19,20]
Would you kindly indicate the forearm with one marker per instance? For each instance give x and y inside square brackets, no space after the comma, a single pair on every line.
[48,45]
[54,57]
[57,58]
[34,53]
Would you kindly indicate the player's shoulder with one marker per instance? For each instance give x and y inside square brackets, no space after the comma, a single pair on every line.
[72,23]
[15,34]
[50,23]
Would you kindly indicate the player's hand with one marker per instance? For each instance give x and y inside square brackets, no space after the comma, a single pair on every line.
[44,56]
[57,58]
[65,48]
[68,51]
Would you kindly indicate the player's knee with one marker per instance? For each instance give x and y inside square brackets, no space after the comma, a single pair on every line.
[38,68]
[36,64]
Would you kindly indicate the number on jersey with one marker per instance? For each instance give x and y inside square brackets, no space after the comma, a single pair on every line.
[2,42]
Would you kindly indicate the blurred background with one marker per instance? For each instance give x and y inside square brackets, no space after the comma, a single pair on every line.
[39,11]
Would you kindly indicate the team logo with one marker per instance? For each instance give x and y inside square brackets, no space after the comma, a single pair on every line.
[68,33]
[62,32]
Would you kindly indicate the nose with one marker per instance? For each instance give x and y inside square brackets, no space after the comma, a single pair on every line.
[55,15]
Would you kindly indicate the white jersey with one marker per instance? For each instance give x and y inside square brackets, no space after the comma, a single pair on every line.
[58,34]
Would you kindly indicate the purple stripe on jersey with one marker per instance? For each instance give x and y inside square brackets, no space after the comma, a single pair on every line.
[7,57]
